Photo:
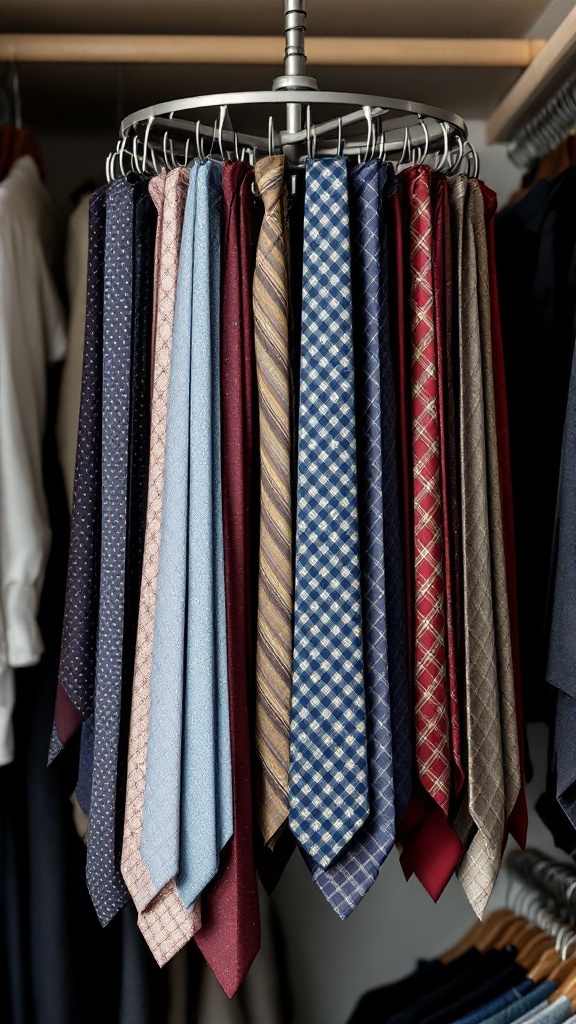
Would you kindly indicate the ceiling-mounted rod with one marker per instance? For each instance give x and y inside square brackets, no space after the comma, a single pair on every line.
[336,51]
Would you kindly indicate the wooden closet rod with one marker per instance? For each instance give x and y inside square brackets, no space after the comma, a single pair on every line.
[555,61]
[351,51]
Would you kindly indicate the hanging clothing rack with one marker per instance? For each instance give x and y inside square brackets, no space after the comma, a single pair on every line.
[549,69]
[378,125]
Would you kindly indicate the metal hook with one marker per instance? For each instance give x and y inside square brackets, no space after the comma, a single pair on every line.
[368,115]
[308,132]
[270,135]
[236,147]
[199,141]
[135,158]
[145,147]
[223,113]
[340,147]
[427,140]
[121,155]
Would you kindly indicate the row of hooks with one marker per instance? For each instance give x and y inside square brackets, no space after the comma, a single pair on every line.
[450,151]
[548,128]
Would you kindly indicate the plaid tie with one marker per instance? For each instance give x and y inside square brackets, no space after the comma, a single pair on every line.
[275,592]
[480,821]
[346,881]
[431,693]
[328,756]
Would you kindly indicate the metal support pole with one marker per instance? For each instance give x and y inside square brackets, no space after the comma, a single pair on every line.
[294,76]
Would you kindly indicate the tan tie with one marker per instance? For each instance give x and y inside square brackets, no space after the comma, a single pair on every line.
[163,921]
[480,824]
[508,717]
[276,585]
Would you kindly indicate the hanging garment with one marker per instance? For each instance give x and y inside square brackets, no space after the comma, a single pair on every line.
[32,335]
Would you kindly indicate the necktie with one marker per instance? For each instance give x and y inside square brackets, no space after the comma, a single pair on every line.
[105,882]
[168,651]
[207,814]
[275,592]
[346,881]
[442,299]
[328,757]
[164,923]
[230,934]
[430,848]
[400,705]
[75,693]
[508,718]
[518,822]
[480,821]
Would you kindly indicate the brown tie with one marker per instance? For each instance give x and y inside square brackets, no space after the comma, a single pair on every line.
[508,716]
[480,823]
[275,585]
[164,923]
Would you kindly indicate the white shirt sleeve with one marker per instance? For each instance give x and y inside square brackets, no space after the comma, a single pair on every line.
[31,334]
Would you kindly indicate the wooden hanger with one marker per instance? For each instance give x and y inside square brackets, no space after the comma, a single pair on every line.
[545,969]
[496,920]
[532,951]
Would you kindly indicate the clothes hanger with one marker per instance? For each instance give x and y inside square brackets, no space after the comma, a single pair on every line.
[481,932]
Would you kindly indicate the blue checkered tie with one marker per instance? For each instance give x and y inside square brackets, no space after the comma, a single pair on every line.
[328,757]
[346,881]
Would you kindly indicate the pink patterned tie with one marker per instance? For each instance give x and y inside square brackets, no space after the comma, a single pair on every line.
[163,921]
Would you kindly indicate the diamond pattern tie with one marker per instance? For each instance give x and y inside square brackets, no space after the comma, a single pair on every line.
[75,694]
[480,822]
[230,935]
[164,923]
[105,882]
[518,822]
[512,775]
[275,593]
[431,694]
[346,881]
[328,756]
[442,303]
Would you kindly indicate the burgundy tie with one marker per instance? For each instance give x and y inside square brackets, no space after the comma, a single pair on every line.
[442,257]
[431,850]
[518,821]
[230,935]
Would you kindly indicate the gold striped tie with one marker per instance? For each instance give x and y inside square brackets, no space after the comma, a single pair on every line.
[275,584]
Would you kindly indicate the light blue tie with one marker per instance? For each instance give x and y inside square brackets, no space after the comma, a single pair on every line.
[206,810]
[328,756]
[160,837]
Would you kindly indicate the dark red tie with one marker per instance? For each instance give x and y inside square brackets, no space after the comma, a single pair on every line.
[518,821]
[431,850]
[230,935]
[442,258]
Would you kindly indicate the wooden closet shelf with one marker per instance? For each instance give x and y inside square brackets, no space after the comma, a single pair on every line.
[266,50]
